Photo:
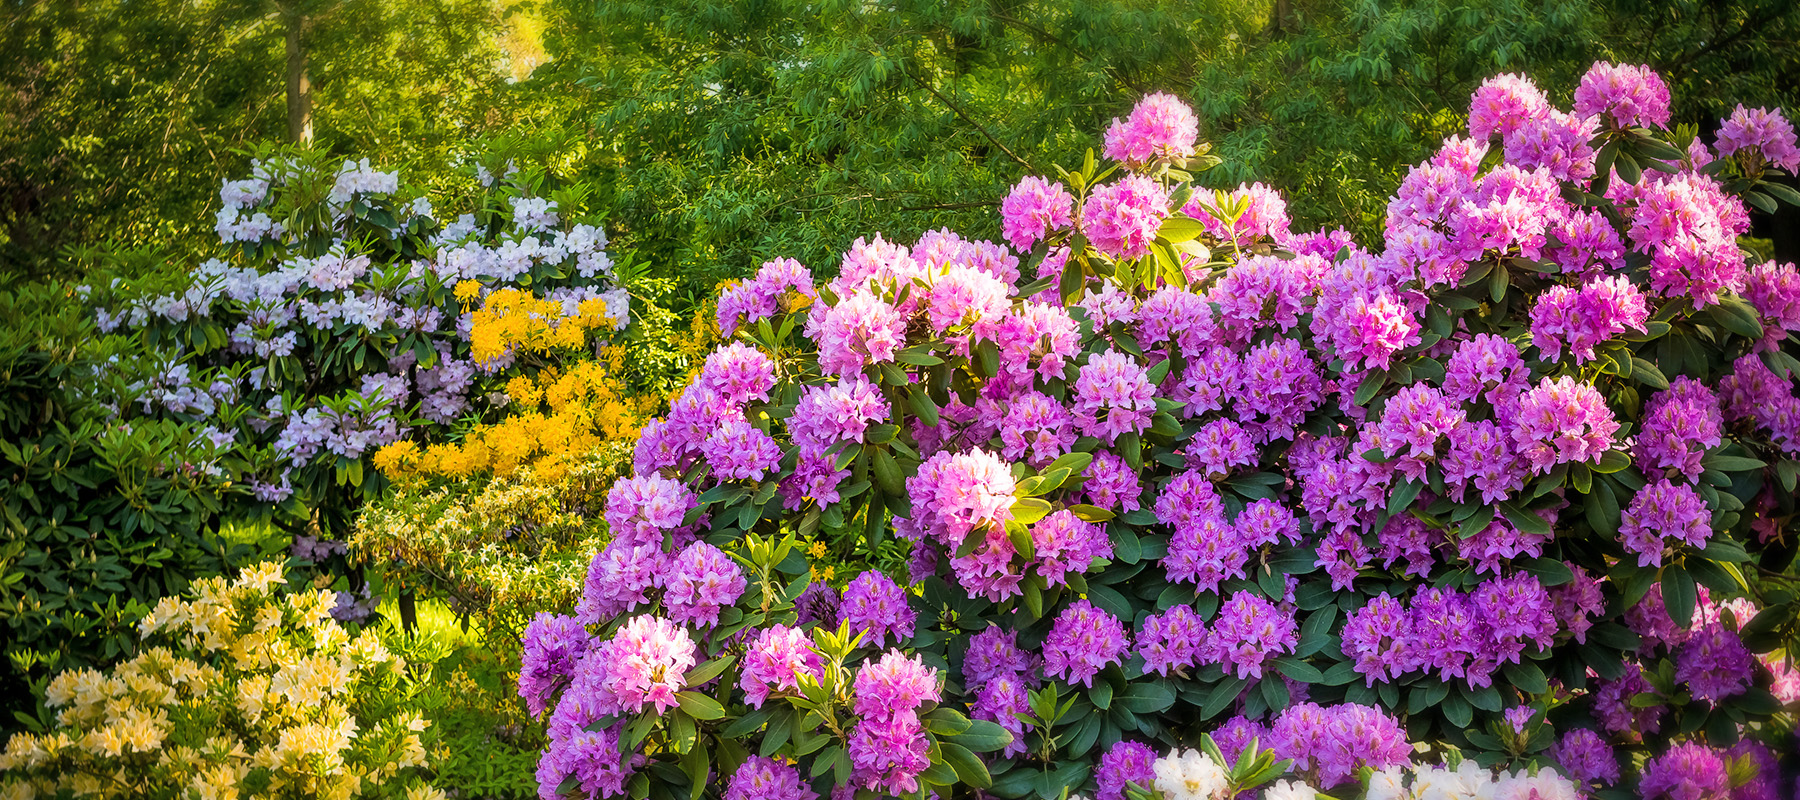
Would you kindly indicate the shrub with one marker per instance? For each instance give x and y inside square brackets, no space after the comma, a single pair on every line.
[498,549]
[1517,483]
[339,316]
[237,689]
[98,518]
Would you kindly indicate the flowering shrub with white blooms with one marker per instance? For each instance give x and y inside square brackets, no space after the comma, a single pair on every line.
[337,318]
[1163,496]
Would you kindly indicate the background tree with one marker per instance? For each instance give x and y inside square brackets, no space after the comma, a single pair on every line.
[120,119]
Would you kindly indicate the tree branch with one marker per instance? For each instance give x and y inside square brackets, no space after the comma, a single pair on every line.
[966,118]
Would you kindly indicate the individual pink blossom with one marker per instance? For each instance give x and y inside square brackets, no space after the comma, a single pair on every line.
[1160,128]
[774,661]
[705,581]
[1113,396]
[1121,218]
[1627,96]
[956,494]
[1034,208]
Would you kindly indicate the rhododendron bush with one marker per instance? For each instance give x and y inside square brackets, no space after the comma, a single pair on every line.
[344,312]
[1193,501]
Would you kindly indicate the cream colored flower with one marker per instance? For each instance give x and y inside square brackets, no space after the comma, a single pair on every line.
[424,792]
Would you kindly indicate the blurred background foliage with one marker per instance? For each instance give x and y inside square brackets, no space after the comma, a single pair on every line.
[727,133]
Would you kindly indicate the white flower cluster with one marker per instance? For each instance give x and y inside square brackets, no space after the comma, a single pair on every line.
[1190,775]
[1469,781]
[534,213]
[357,177]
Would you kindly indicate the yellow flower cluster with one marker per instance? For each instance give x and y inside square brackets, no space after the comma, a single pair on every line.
[558,415]
[240,690]
[520,322]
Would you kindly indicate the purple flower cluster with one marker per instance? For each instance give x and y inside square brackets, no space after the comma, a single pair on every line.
[1632,96]
[1687,771]
[763,296]
[1333,742]
[1065,544]
[1121,218]
[1679,425]
[1766,134]
[1753,392]
[1249,633]
[762,778]
[1662,514]
[1123,764]
[551,648]
[876,606]
[774,661]
[1561,421]
[1581,319]
[1082,641]
[1450,633]
[1113,397]
[704,582]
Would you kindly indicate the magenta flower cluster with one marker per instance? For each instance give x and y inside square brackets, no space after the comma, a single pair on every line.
[1446,461]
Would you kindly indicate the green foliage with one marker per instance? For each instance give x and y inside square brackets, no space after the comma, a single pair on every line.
[121,118]
[755,130]
[100,518]
[497,549]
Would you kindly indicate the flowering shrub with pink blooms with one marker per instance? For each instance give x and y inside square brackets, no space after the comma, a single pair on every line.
[1171,500]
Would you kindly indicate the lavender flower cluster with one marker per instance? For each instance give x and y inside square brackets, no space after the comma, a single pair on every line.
[315,335]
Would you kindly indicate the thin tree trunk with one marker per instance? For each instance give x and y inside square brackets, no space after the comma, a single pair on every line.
[299,86]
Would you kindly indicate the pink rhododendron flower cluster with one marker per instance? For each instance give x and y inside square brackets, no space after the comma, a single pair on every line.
[1489,476]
